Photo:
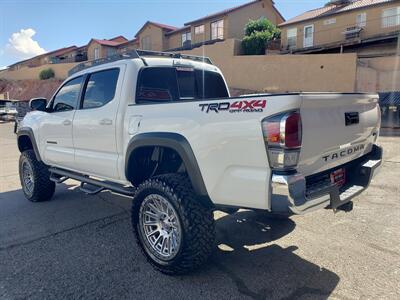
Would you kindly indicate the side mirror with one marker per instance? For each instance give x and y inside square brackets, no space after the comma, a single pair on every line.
[38,104]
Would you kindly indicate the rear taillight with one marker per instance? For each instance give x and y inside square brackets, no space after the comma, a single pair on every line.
[292,125]
[282,136]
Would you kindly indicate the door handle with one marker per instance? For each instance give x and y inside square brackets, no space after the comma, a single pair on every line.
[105,122]
[67,122]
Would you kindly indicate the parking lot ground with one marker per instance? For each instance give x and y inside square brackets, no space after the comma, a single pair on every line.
[79,246]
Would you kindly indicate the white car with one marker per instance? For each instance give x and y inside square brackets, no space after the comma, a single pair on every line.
[162,129]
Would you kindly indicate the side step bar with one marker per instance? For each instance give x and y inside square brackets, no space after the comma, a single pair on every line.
[59,175]
[88,191]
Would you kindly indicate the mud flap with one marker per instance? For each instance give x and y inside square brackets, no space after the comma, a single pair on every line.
[335,199]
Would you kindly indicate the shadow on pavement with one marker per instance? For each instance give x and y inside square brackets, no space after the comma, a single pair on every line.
[22,221]
[261,269]
[73,227]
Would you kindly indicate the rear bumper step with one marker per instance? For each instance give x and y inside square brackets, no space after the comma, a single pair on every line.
[59,175]
[292,193]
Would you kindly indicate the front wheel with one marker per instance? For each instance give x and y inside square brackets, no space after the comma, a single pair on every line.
[35,178]
[175,231]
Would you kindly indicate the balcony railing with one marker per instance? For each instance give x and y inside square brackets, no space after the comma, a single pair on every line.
[190,46]
[77,58]
[363,31]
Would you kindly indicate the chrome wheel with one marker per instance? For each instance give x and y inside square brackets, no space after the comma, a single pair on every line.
[27,176]
[160,226]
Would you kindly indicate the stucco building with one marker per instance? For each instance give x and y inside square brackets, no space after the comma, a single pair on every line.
[222,25]
[152,36]
[97,48]
[362,26]
[155,36]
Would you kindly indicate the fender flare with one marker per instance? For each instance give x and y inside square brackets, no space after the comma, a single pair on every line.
[26,131]
[173,141]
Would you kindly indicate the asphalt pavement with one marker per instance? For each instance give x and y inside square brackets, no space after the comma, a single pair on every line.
[79,246]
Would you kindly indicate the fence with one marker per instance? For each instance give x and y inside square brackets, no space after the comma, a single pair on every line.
[60,71]
[282,73]
[378,74]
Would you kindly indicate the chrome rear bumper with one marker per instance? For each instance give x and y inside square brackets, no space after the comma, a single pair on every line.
[291,194]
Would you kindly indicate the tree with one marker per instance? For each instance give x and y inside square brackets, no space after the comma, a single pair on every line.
[257,34]
[46,74]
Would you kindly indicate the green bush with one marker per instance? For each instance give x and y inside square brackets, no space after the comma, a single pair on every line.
[257,34]
[46,74]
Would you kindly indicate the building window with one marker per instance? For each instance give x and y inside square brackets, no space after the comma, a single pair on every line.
[186,38]
[330,21]
[217,30]
[96,53]
[362,20]
[146,43]
[292,38]
[111,51]
[199,29]
[391,17]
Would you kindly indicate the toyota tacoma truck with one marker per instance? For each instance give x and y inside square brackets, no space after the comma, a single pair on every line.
[162,129]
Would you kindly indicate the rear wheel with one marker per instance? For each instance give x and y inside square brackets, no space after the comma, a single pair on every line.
[35,178]
[174,230]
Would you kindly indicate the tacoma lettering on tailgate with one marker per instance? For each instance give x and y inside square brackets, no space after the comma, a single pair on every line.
[343,153]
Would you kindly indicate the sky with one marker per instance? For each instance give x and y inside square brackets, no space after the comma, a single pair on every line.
[32,27]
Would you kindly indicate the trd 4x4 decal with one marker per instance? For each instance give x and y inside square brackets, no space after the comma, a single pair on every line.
[235,107]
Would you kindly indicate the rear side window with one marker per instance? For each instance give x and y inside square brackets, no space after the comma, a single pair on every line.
[186,83]
[165,84]
[211,85]
[100,88]
[67,97]
[157,85]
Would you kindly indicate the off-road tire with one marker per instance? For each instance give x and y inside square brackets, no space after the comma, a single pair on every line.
[196,219]
[43,188]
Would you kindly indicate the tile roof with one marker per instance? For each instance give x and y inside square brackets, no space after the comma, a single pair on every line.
[109,43]
[81,47]
[119,38]
[178,30]
[61,51]
[390,98]
[223,12]
[106,42]
[128,42]
[163,26]
[334,9]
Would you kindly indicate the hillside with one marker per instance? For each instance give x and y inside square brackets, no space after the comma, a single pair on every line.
[27,89]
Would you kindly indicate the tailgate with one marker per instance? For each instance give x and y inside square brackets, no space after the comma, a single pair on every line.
[337,128]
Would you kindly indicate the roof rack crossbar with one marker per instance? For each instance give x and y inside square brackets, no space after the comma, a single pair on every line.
[136,54]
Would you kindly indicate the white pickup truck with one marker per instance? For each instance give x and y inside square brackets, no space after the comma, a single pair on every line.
[162,129]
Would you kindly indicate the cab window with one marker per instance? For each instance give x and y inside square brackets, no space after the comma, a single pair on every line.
[157,84]
[67,97]
[100,88]
[165,84]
